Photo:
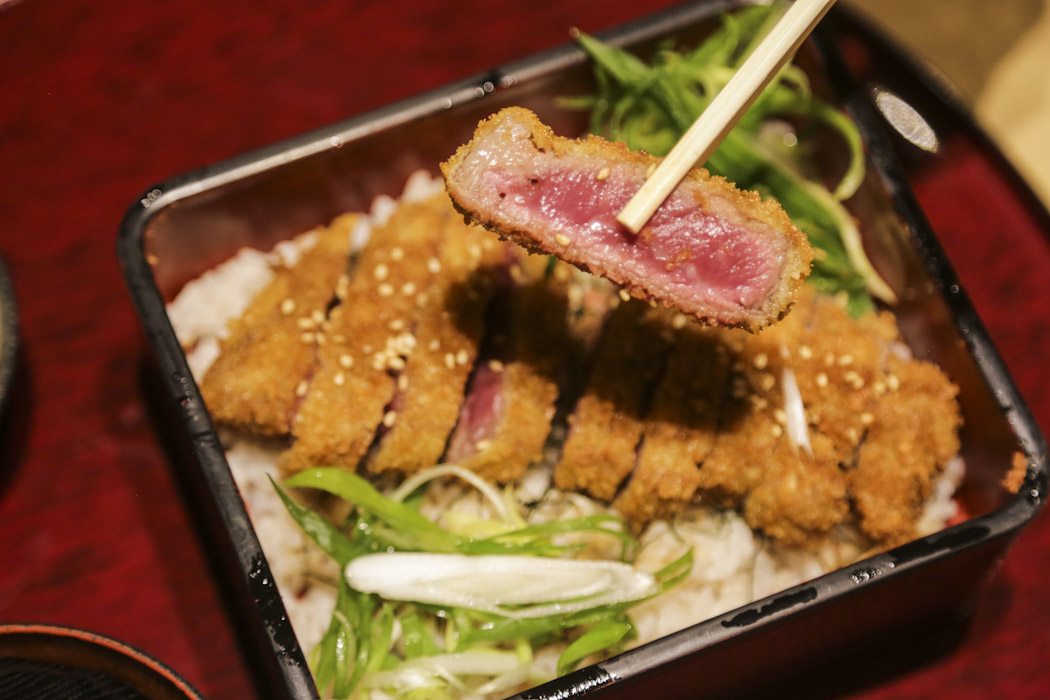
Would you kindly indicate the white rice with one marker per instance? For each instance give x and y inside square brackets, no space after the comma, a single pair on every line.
[733,565]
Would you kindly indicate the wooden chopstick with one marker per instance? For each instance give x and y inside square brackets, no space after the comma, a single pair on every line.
[703,137]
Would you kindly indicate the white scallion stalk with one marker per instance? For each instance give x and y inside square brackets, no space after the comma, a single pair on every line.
[499,504]
[429,671]
[512,586]
[797,428]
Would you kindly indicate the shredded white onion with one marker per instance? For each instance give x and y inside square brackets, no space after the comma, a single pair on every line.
[499,504]
[796,426]
[424,671]
[490,583]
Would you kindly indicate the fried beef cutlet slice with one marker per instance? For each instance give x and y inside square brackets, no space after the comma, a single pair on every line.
[912,436]
[712,251]
[252,384]
[681,428]
[846,370]
[608,421]
[448,334]
[511,399]
[365,341]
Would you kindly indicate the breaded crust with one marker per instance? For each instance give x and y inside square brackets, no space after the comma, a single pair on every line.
[608,421]
[448,334]
[681,428]
[532,352]
[252,384]
[615,164]
[365,340]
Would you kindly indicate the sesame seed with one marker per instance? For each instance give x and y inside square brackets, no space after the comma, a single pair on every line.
[777,431]
[402,382]
[768,381]
[396,325]
[342,286]
[893,382]
[679,321]
[562,239]
[879,388]
[307,337]
[482,445]
[396,363]
[408,289]
[320,338]
[301,389]
[462,357]
[305,322]
[381,272]
[386,290]
[854,379]
[602,174]
[346,361]
[829,359]
[421,299]
[317,316]
[780,417]
[340,379]
[434,345]
[396,254]
[367,349]
[761,360]
[866,419]
[852,434]
[288,307]
[822,380]
[496,366]
[845,360]
[389,418]
[450,360]
[434,266]
[805,352]
[624,295]
[378,361]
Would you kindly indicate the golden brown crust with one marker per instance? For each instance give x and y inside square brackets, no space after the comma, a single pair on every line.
[608,421]
[681,428]
[881,427]
[537,346]
[365,338]
[448,335]
[1014,478]
[252,384]
[718,195]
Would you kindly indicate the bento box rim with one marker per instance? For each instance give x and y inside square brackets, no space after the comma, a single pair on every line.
[1001,522]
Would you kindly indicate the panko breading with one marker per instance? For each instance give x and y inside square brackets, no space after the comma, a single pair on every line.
[448,334]
[507,413]
[913,433]
[252,384]
[681,428]
[607,423]
[845,369]
[365,338]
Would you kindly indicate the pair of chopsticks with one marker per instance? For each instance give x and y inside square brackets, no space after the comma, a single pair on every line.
[703,137]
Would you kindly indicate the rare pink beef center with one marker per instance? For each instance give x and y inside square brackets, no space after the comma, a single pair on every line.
[692,252]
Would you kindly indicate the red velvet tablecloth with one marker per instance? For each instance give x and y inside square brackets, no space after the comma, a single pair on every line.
[98,100]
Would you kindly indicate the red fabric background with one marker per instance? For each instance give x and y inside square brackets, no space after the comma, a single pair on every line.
[100,100]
